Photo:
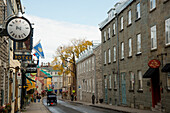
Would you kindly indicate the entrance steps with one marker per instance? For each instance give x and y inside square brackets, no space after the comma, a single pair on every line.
[158,108]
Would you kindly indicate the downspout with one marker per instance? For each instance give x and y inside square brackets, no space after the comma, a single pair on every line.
[118,70]
[8,70]
[95,78]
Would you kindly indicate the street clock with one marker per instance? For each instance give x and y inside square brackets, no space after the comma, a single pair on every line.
[18,28]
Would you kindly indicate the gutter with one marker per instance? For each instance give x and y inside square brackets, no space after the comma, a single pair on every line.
[118,68]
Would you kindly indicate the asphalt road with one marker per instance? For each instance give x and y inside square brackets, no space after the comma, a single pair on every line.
[67,107]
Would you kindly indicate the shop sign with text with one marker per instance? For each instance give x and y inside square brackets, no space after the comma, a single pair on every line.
[154,63]
[22,57]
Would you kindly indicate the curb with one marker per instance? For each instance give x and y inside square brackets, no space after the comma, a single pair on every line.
[109,108]
[46,106]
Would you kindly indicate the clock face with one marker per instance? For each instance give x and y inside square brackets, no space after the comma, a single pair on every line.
[18,28]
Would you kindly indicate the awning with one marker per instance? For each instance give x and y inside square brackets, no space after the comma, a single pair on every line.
[166,68]
[150,72]
[30,79]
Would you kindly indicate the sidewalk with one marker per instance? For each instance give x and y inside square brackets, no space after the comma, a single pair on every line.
[113,107]
[36,108]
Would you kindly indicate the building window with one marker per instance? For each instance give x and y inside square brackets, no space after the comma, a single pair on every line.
[122,50]
[114,53]
[114,29]
[108,33]
[129,17]
[140,80]
[104,57]
[115,81]
[93,85]
[132,80]
[130,47]
[109,52]
[84,66]
[168,81]
[167,31]
[105,80]
[138,43]
[90,85]
[152,4]
[138,11]
[93,63]
[89,64]
[153,38]
[121,25]
[110,81]
[104,37]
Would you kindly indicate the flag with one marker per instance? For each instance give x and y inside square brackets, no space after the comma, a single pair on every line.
[37,55]
[38,49]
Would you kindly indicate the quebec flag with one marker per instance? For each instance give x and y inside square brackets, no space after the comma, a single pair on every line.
[39,50]
[36,54]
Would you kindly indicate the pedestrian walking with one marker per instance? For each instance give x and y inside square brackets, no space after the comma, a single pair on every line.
[93,99]
[34,98]
[72,97]
[38,97]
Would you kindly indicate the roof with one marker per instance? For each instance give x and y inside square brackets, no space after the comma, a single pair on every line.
[150,72]
[48,75]
[118,10]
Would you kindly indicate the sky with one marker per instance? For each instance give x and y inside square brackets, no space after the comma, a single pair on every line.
[56,22]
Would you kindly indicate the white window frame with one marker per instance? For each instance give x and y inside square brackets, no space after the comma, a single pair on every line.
[129,17]
[89,85]
[121,24]
[104,57]
[152,4]
[122,50]
[130,46]
[114,29]
[104,36]
[140,80]
[109,33]
[93,63]
[114,53]
[89,64]
[132,80]
[138,43]
[153,38]
[115,81]
[167,31]
[168,81]
[138,10]
[93,85]
[109,54]
[110,81]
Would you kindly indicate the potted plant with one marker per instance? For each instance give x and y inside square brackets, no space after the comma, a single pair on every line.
[3,110]
[8,107]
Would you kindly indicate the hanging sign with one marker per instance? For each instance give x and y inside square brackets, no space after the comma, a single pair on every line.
[154,63]
[18,28]
[22,57]
[18,76]
[31,68]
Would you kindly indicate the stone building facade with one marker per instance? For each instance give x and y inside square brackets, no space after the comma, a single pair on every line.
[135,32]
[4,57]
[89,79]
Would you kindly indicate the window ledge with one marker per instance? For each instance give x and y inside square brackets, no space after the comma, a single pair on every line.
[131,90]
[137,19]
[167,45]
[140,90]
[138,54]
[115,89]
[122,59]
[108,39]
[153,9]
[154,49]
[109,88]
[113,35]
[114,61]
[165,1]
[129,57]
[129,25]
[104,64]
[109,63]
[121,30]
[104,41]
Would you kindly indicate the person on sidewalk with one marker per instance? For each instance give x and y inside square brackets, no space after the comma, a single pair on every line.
[72,97]
[93,98]
[34,98]
[38,97]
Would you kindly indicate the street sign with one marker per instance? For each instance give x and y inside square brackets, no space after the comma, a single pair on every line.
[22,57]
[31,68]
[154,63]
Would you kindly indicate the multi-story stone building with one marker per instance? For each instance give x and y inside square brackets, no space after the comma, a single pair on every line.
[134,33]
[89,74]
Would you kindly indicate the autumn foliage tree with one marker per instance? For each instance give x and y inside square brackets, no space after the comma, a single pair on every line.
[66,55]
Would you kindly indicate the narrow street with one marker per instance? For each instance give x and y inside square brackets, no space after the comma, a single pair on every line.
[67,107]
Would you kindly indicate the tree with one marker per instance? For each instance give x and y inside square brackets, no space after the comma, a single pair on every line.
[65,59]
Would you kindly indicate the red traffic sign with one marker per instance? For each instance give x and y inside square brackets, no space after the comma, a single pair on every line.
[154,63]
